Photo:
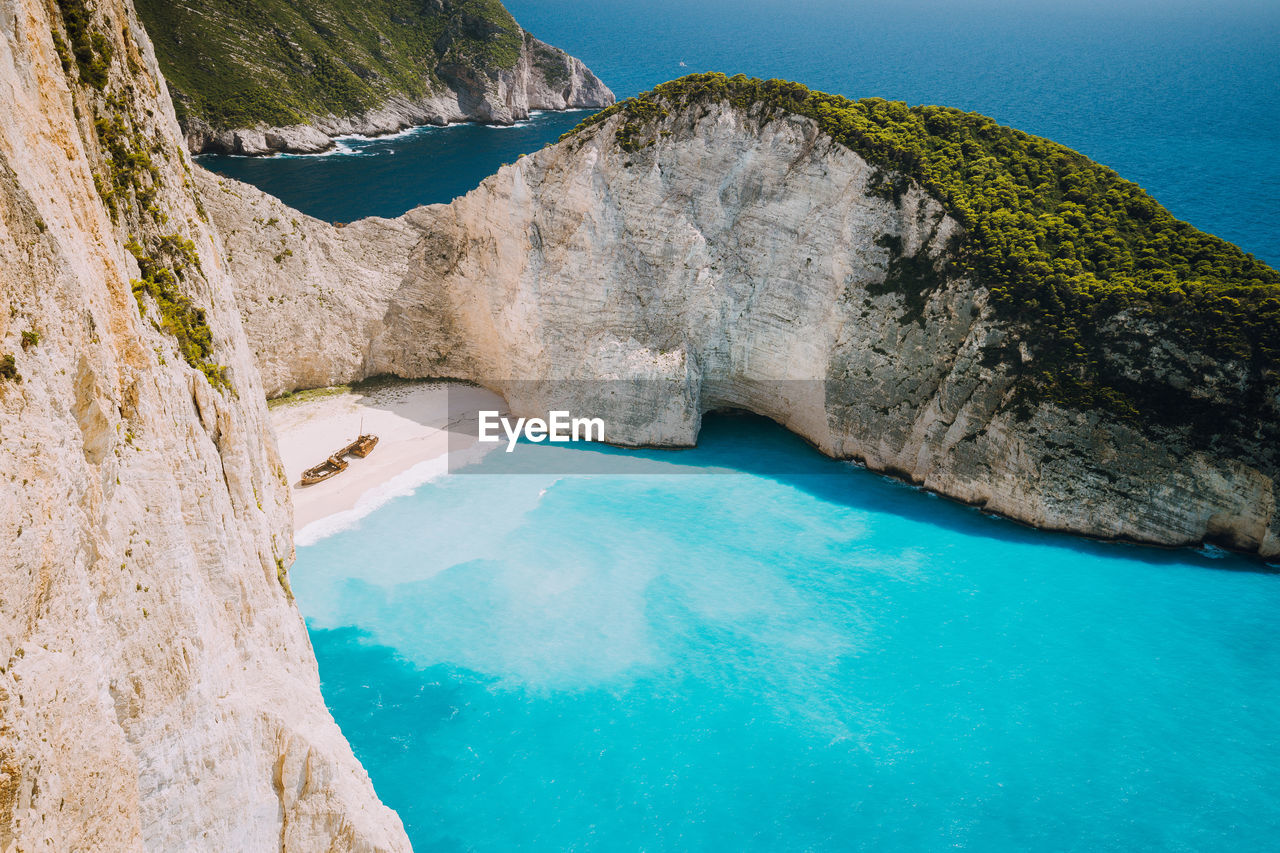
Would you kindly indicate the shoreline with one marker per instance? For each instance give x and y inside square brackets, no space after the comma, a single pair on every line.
[337,149]
[411,420]
[310,140]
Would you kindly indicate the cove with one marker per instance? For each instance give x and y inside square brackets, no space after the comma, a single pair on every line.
[749,646]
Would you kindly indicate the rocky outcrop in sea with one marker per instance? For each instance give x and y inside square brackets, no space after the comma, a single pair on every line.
[742,258]
[544,78]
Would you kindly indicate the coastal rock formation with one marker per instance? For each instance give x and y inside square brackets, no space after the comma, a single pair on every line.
[157,686]
[730,255]
[335,68]
[326,286]
[504,96]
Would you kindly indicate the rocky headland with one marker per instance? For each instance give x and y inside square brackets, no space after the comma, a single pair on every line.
[716,244]
[968,308]
[285,76]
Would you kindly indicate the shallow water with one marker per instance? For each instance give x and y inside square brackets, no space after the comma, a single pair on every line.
[786,653]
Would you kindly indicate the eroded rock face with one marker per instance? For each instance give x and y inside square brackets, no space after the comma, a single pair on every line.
[157,686]
[738,261]
[544,78]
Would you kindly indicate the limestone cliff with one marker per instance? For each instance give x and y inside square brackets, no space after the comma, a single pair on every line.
[157,686]
[287,75]
[738,256]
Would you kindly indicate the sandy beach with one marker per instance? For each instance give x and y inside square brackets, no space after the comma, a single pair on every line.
[411,420]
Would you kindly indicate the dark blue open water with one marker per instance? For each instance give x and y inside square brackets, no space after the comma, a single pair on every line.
[1182,97]
[800,655]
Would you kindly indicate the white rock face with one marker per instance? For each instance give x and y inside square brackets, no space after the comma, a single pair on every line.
[544,78]
[733,262]
[157,687]
[326,287]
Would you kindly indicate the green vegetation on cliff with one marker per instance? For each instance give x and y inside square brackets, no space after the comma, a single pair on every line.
[128,180]
[90,48]
[173,260]
[235,63]
[9,368]
[1078,259]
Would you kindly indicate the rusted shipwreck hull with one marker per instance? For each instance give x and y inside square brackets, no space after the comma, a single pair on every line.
[361,447]
[336,464]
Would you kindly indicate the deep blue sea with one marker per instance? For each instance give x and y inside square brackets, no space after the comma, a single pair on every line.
[1181,97]
[749,647]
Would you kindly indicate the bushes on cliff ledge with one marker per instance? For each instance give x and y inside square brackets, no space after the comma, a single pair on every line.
[1069,250]
[9,368]
[91,50]
[173,255]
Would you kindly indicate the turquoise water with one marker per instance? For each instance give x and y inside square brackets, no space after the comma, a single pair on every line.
[1182,97]
[750,647]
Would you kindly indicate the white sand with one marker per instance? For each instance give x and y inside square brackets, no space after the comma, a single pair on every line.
[409,420]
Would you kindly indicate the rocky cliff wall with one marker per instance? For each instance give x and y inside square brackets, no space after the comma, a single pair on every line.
[543,78]
[748,261]
[157,686]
